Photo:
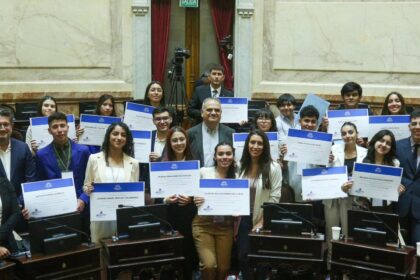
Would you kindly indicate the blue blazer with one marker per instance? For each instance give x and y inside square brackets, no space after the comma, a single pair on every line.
[409,201]
[22,165]
[47,166]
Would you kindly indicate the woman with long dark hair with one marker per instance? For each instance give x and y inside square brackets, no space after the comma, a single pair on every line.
[265,121]
[181,207]
[213,235]
[104,107]
[46,107]
[394,104]
[265,180]
[115,163]
[154,95]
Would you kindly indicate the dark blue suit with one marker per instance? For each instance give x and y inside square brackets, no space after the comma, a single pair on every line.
[47,166]
[22,165]
[409,201]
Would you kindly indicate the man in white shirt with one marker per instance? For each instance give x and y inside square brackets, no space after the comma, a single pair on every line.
[286,104]
[215,89]
[206,135]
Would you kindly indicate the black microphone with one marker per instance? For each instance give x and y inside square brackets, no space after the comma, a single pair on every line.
[361,206]
[313,227]
[149,213]
[89,243]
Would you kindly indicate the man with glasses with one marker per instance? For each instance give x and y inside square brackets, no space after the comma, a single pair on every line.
[16,162]
[206,135]
[163,120]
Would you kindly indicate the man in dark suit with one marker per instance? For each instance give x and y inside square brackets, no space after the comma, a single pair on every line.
[63,158]
[206,135]
[408,155]
[214,89]
[16,161]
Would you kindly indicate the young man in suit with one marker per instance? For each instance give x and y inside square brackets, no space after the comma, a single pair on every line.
[16,161]
[408,153]
[206,135]
[63,158]
[214,89]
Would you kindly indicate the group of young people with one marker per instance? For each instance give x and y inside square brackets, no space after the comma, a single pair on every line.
[208,240]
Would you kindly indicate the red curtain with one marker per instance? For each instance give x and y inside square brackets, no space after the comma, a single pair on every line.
[161,17]
[222,12]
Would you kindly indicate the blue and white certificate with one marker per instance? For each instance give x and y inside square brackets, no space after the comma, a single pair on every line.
[239,143]
[376,181]
[310,147]
[360,117]
[106,197]
[139,117]
[50,197]
[397,124]
[142,145]
[234,109]
[323,183]
[40,134]
[319,103]
[174,177]
[224,197]
[95,128]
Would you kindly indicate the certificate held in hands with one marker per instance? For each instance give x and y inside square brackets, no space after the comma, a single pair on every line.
[95,128]
[139,116]
[142,145]
[239,143]
[106,197]
[50,197]
[174,177]
[224,197]
[360,117]
[235,109]
[376,181]
[396,124]
[323,183]
[40,134]
[310,147]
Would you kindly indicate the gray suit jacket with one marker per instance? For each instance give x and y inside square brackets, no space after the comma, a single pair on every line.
[195,135]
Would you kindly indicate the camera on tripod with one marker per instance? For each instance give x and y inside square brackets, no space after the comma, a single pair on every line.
[179,57]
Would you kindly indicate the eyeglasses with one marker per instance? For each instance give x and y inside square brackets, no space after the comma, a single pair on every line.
[5,125]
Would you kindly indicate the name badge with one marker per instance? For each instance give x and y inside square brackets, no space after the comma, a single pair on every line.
[67,174]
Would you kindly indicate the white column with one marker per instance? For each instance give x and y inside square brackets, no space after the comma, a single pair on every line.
[142,42]
[243,45]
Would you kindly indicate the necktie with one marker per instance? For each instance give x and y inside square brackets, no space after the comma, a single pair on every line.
[415,155]
[214,93]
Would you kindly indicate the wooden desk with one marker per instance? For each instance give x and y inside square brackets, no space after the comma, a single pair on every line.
[82,263]
[7,270]
[293,255]
[416,275]
[360,261]
[134,257]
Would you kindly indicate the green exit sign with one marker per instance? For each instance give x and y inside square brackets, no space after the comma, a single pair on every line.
[188,3]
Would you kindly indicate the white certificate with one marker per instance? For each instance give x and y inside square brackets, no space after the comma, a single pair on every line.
[224,197]
[106,198]
[360,117]
[308,147]
[50,197]
[174,177]
[239,143]
[319,103]
[323,183]
[139,117]
[234,109]
[376,181]
[40,134]
[397,124]
[95,128]
[142,145]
